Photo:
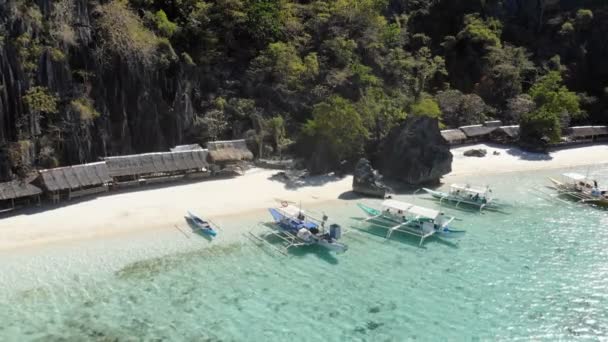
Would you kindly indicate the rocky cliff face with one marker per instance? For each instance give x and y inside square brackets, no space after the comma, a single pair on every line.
[132,107]
[415,153]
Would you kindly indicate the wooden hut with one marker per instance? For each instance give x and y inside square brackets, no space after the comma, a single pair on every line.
[454,136]
[18,192]
[228,152]
[476,133]
[505,134]
[75,181]
[157,166]
[587,133]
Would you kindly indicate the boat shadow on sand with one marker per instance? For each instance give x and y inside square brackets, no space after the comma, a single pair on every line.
[197,231]
[399,237]
[301,251]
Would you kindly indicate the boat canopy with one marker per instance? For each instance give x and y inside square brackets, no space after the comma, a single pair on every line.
[291,210]
[411,209]
[469,189]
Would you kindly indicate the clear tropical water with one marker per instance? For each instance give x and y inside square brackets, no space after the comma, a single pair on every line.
[538,271]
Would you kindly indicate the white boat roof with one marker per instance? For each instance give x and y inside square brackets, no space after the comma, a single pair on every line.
[469,188]
[410,208]
[291,210]
[574,176]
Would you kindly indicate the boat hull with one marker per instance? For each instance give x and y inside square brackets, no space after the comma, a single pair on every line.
[414,226]
[292,226]
[577,195]
[196,221]
[444,196]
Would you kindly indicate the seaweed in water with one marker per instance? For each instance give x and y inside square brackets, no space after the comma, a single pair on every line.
[371,325]
[149,268]
[374,309]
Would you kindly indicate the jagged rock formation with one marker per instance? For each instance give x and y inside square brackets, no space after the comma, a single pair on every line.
[415,153]
[366,181]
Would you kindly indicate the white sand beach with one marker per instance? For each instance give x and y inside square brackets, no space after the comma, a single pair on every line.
[156,208]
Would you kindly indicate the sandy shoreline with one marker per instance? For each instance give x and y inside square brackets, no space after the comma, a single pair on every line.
[161,208]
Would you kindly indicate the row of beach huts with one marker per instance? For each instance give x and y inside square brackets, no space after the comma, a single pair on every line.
[494,131]
[65,183]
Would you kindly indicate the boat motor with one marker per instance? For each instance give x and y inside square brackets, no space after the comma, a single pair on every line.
[335,231]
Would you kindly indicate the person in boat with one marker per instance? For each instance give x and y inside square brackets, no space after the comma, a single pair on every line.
[476,197]
[301,216]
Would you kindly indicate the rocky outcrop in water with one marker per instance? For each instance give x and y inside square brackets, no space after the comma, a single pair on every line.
[415,153]
[366,180]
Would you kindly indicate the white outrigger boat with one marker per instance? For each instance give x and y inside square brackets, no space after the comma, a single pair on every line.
[297,228]
[411,219]
[466,194]
[581,188]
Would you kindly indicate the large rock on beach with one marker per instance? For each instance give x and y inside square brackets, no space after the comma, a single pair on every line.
[415,153]
[476,152]
[366,180]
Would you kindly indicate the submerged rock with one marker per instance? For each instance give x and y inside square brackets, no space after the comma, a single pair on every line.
[476,152]
[366,180]
[415,153]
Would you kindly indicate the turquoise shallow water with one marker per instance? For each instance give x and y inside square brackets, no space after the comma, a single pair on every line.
[538,271]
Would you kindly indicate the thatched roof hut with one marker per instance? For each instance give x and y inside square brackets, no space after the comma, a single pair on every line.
[477,131]
[18,189]
[505,134]
[154,163]
[75,177]
[182,148]
[453,136]
[580,132]
[228,151]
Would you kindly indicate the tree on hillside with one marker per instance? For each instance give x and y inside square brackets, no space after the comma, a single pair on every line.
[553,101]
[337,128]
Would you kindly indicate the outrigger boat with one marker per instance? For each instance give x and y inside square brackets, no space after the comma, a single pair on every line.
[411,219]
[466,194]
[200,224]
[581,188]
[297,228]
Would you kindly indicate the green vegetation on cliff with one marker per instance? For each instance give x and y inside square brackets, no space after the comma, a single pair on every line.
[146,74]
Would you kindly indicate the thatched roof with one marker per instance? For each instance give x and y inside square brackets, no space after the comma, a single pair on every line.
[451,135]
[17,189]
[476,130]
[493,123]
[587,131]
[228,151]
[74,177]
[191,147]
[160,162]
[511,131]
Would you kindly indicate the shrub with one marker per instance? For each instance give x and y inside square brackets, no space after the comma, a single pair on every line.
[584,17]
[84,107]
[164,26]
[486,32]
[38,99]
[123,33]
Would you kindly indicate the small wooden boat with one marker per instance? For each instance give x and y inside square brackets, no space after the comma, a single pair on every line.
[581,188]
[202,225]
[480,197]
[411,219]
[295,228]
